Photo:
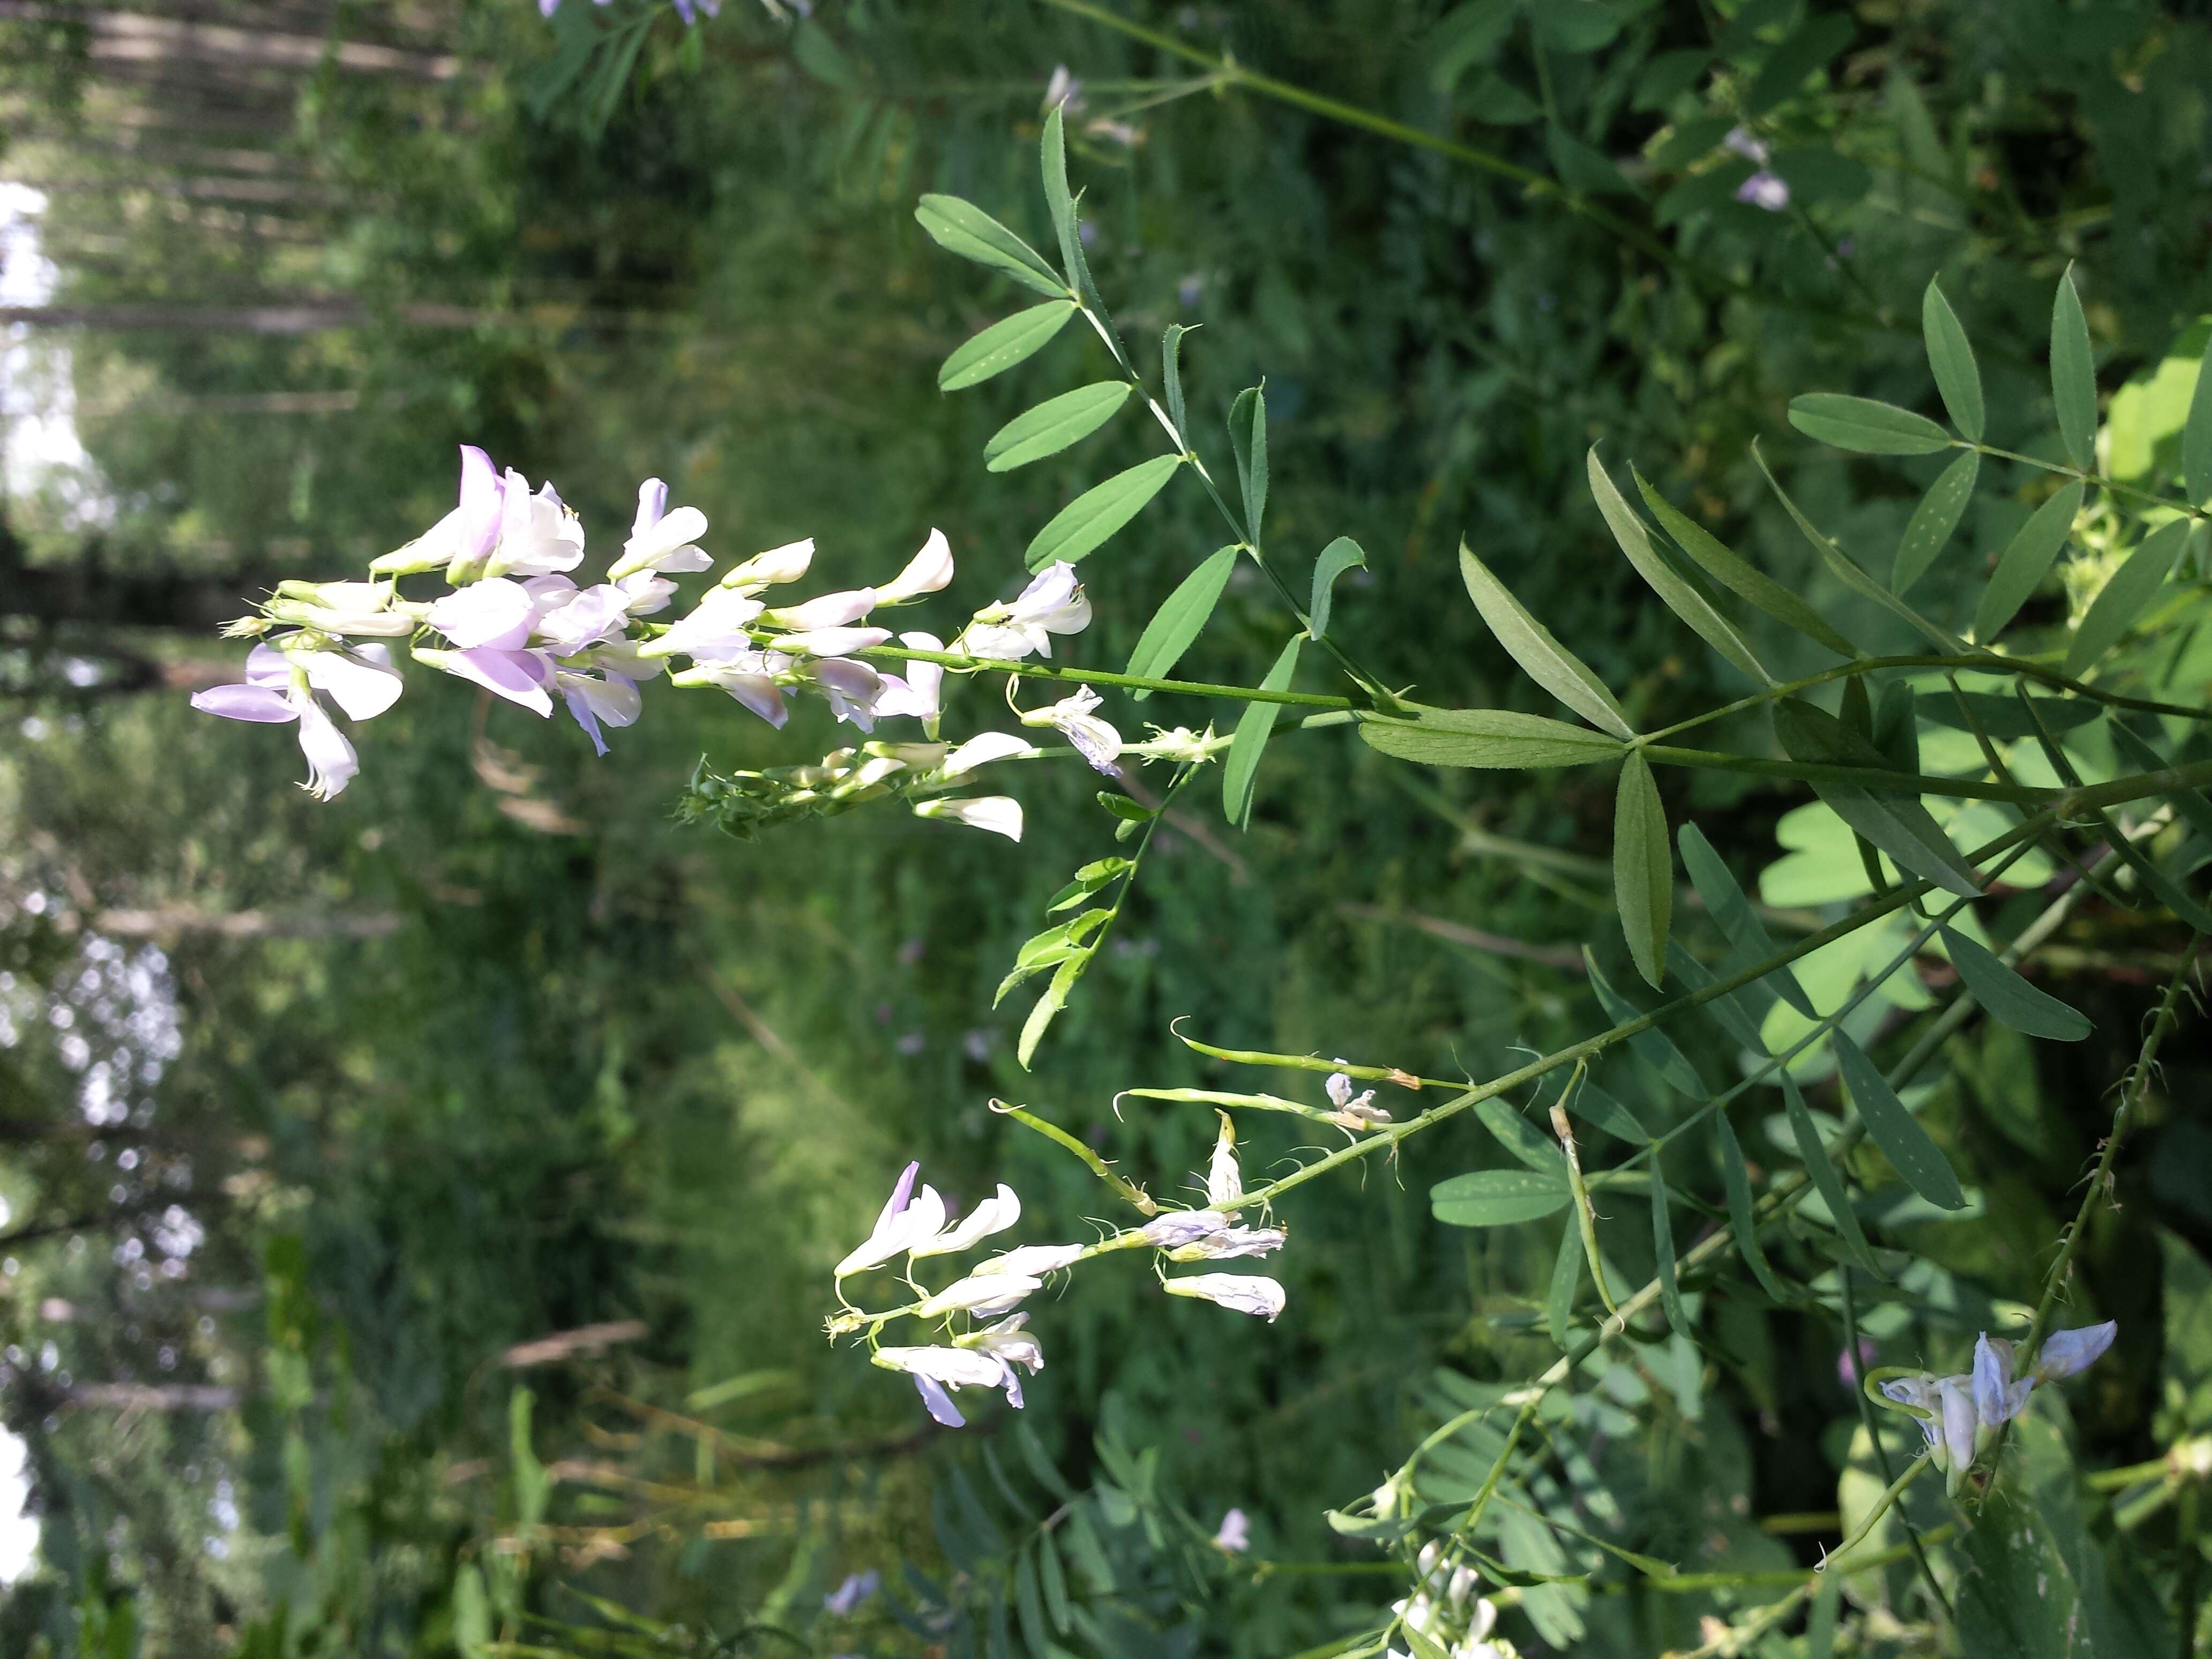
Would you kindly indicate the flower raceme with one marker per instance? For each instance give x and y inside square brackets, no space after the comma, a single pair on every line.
[513,622]
[1961,1415]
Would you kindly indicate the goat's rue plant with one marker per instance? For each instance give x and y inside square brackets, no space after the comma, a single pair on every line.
[2010,756]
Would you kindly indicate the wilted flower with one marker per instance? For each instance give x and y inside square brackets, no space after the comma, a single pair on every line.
[900,1227]
[1095,739]
[1230,1244]
[1180,1227]
[1247,1293]
[999,814]
[1224,1184]
[1053,603]
[1354,1111]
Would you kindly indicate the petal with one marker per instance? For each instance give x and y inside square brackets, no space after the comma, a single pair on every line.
[939,1403]
[1991,1384]
[2067,1352]
[481,499]
[517,676]
[652,502]
[363,688]
[581,711]
[982,749]
[496,613]
[245,703]
[331,763]
[266,665]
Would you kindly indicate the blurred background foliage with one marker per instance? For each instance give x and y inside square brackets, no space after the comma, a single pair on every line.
[420,1208]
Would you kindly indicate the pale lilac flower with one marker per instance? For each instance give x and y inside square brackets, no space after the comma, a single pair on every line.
[750,676]
[1180,1227]
[985,1295]
[1746,144]
[659,540]
[716,628]
[1064,90]
[2067,1352]
[646,593]
[339,608]
[1053,603]
[927,571]
[1245,1293]
[273,693]
[497,613]
[935,1369]
[845,1600]
[850,688]
[460,540]
[623,657]
[1235,1534]
[999,814]
[902,1224]
[612,698]
[994,1215]
[919,692]
[787,563]
[833,642]
[1076,719]
[1764,190]
[521,677]
[1032,1261]
[1230,1244]
[578,621]
[825,610]
[538,536]
[1009,1342]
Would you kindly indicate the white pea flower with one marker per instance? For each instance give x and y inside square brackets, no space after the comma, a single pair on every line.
[749,676]
[984,748]
[985,1295]
[999,814]
[660,540]
[1180,1227]
[1075,718]
[280,688]
[935,1369]
[927,572]
[580,619]
[902,1225]
[460,541]
[1053,603]
[1224,1182]
[778,565]
[1032,1261]
[1235,1534]
[717,628]
[921,690]
[1008,1342]
[538,536]
[850,688]
[826,610]
[612,699]
[994,1215]
[832,641]
[1230,1244]
[1246,1293]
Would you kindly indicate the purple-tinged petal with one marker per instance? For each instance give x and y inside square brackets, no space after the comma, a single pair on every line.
[939,1402]
[651,504]
[581,712]
[480,489]
[900,1194]
[1960,1422]
[331,763]
[496,613]
[266,665]
[245,703]
[1992,1381]
[517,675]
[2068,1353]
[1012,1384]
[362,685]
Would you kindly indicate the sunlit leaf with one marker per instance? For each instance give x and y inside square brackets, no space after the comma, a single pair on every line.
[1542,657]
[1003,344]
[1083,525]
[1242,769]
[1171,377]
[1178,623]
[1933,521]
[1494,738]
[963,229]
[1247,436]
[1339,556]
[2125,597]
[2026,561]
[2196,434]
[1054,424]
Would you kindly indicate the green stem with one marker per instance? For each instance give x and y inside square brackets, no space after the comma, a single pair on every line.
[1844,1271]
[2112,486]
[1862,777]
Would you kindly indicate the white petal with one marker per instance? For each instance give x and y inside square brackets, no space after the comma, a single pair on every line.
[331,763]
[496,613]
[364,686]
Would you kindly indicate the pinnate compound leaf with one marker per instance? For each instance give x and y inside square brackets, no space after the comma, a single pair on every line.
[1643,870]
[963,229]
[1732,571]
[2073,375]
[1242,769]
[1339,556]
[1003,344]
[1178,623]
[2026,561]
[1894,1129]
[1826,1181]
[1951,355]
[1897,824]
[1081,527]
[1496,739]
[1653,1046]
[1933,521]
[1054,424]
[1735,1177]
[1247,436]
[1848,572]
[2010,1000]
[2196,434]
[1864,426]
[1731,910]
[1684,600]
[2125,597]
[1542,657]
[1496,1197]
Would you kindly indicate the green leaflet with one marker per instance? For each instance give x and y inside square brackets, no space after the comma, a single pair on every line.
[1171,377]
[1864,426]
[1728,1009]
[1932,522]
[1684,600]
[2188,804]
[2196,434]
[1826,1180]
[1242,770]
[1848,572]
[1055,944]
[1662,1248]
[2002,717]
[1051,161]
[1496,1197]
[1178,623]
[1595,1106]
[1054,424]
[1821,1626]
[1542,658]
[1028,1602]
[1951,355]
[1495,738]
[1247,436]
[1643,870]
[1895,1130]
[1566,1282]
[1740,578]
[1521,1139]
[1048,1005]
[2026,561]
[1735,1176]
[1085,524]
[1656,1048]
[2125,597]
[1897,824]
[2010,1000]
[1732,913]
[1339,556]
[963,229]
[1003,344]
[2073,375]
